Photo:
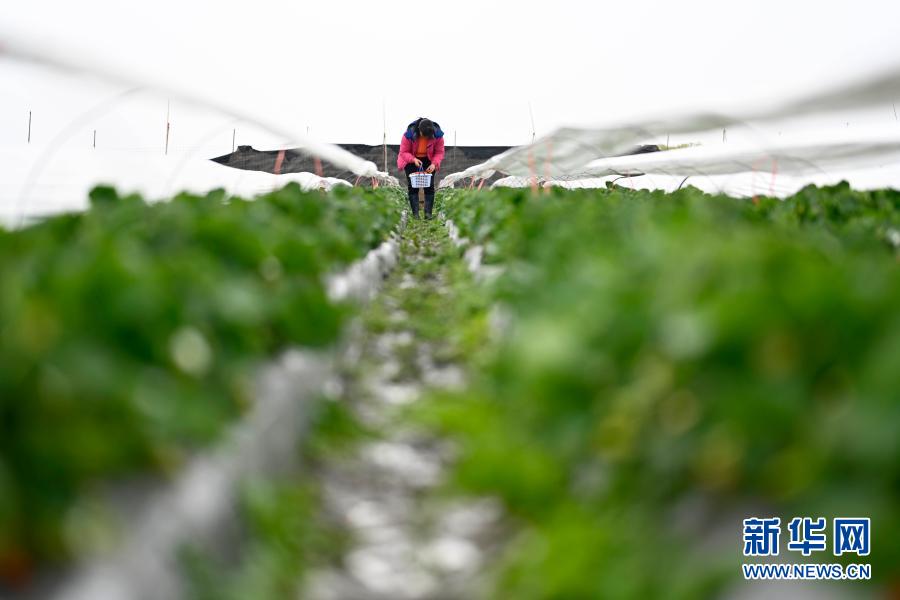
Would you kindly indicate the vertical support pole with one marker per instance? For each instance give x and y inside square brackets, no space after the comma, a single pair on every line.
[531,114]
[29,126]
[724,139]
[455,157]
[95,138]
[168,106]
[233,136]
[384,131]
[667,142]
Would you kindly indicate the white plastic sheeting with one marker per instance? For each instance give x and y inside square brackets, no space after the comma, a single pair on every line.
[566,153]
[812,154]
[576,184]
[747,185]
[744,184]
[868,160]
[105,133]
[48,182]
[514,181]
[560,153]
[55,56]
[778,166]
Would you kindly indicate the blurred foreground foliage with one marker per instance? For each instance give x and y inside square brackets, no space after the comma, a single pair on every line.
[670,364]
[129,334]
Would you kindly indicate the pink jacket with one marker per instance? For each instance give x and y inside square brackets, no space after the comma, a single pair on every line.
[434,150]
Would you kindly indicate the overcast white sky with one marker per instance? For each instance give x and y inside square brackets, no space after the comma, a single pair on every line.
[473,66]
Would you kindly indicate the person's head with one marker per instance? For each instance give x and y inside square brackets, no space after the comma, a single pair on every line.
[426,128]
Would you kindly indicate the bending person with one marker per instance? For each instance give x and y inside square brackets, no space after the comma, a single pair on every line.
[421,148]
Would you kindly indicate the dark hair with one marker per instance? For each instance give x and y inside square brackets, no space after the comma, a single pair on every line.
[426,128]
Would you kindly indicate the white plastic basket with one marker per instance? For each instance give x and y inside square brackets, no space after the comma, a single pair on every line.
[420,179]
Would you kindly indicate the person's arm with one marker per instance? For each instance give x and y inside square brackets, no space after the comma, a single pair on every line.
[438,153]
[405,156]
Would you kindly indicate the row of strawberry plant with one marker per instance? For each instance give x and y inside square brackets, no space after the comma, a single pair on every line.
[670,364]
[130,333]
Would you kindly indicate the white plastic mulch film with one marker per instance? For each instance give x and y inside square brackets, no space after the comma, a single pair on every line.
[88,126]
[851,133]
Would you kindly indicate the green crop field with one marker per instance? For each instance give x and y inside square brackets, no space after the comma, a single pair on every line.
[641,371]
